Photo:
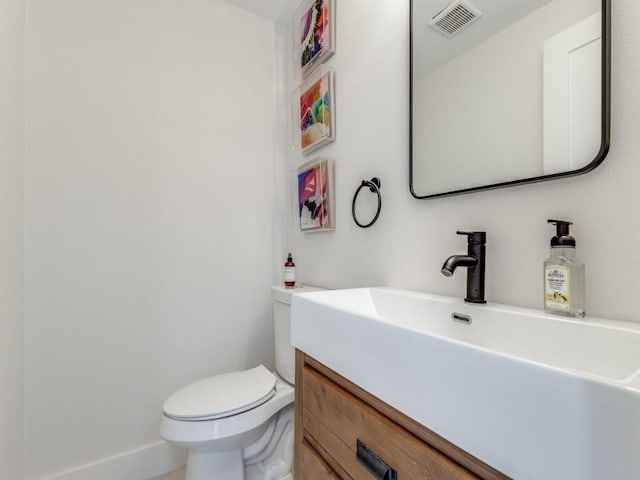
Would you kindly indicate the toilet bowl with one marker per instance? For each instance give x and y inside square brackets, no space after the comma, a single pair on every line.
[239,425]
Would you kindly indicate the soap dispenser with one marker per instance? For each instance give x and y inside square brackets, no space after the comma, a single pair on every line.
[563,275]
[289,272]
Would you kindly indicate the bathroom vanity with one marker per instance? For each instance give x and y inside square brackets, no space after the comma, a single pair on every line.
[340,428]
[437,388]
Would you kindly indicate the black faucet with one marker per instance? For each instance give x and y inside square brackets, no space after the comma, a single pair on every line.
[474,260]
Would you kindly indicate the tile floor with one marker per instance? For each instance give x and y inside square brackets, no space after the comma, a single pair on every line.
[177,475]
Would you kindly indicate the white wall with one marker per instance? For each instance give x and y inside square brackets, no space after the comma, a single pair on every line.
[412,238]
[149,189]
[11,228]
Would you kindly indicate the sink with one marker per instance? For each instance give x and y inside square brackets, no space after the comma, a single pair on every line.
[535,396]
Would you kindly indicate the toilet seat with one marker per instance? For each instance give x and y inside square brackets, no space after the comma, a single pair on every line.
[222,395]
[228,432]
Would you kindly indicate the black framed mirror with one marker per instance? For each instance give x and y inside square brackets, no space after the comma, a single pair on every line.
[507,92]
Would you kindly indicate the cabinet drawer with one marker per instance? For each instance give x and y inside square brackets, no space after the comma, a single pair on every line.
[312,466]
[336,419]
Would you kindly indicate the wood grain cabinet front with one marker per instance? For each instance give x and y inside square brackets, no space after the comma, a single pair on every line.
[311,465]
[342,432]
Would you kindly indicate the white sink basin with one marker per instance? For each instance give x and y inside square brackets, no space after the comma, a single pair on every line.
[536,396]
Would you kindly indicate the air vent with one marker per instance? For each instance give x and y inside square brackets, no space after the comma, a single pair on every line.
[454,18]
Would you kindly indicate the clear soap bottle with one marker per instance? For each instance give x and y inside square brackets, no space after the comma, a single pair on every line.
[563,275]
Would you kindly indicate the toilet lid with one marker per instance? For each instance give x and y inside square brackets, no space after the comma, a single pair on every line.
[222,395]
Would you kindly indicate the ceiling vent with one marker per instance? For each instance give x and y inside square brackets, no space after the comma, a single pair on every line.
[454,18]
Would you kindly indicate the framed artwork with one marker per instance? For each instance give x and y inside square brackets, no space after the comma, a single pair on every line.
[315,195]
[314,111]
[314,34]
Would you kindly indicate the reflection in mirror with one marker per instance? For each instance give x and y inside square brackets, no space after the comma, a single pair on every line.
[506,92]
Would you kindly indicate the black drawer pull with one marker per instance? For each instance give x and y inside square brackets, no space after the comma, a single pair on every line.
[376,466]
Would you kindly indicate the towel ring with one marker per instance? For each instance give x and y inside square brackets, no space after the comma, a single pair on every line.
[374,187]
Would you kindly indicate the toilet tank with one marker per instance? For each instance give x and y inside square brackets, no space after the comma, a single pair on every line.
[285,353]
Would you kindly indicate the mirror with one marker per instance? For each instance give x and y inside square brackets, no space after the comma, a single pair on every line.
[506,92]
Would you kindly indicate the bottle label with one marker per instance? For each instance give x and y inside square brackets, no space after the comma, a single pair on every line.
[289,274]
[556,287]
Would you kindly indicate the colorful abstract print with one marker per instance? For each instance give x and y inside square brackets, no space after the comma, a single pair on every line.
[314,33]
[312,197]
[315,123]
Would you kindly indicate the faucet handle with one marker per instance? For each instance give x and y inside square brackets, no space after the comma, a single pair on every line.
[474,238]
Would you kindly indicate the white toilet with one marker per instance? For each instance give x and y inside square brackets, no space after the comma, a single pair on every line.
[239,425]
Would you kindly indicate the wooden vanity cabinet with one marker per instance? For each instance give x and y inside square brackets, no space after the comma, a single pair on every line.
[340,428]
[311,466]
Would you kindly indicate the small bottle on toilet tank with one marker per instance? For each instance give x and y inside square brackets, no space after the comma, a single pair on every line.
[289,272]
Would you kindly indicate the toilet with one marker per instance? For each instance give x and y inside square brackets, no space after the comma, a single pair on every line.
[239,425]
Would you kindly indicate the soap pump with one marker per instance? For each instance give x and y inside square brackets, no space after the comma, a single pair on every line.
[563,274]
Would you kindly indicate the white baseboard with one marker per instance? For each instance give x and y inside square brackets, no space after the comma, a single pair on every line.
[141,463]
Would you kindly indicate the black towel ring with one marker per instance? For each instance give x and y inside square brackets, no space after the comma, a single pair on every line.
[374,187]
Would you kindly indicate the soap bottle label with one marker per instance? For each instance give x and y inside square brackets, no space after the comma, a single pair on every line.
[556,287]
[289,276]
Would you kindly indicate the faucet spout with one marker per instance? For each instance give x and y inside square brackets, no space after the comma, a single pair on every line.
[474,261]
[455,261]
